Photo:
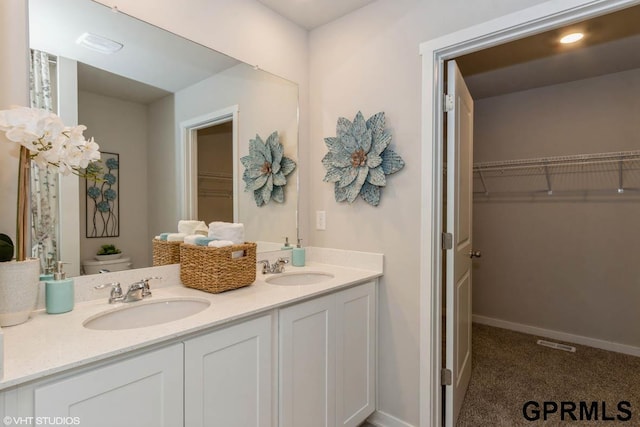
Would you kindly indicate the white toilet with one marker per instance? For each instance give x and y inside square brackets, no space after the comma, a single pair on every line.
[92,266]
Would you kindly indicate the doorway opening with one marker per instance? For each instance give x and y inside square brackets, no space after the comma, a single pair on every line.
[210,184]
[215,172]
[525,23]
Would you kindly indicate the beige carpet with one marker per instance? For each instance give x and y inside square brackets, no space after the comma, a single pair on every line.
[510,369]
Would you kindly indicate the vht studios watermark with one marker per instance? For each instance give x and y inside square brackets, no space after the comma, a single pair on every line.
[41,421]
[574,411]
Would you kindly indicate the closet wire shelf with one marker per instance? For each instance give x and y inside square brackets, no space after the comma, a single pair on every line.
[613,174]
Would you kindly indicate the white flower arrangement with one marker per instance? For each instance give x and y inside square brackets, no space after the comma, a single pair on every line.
[44,139]
[49,141]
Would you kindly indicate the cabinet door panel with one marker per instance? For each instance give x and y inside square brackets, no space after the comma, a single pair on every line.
[307,364]
[355,354]
[228,376]
[144,391]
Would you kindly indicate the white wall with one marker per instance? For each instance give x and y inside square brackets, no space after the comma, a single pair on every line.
[568,266]
[120,127]
[14,90]
[369,61]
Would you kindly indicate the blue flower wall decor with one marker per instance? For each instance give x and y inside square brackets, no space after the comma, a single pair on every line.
[359,159]
[102,197]
[266,169]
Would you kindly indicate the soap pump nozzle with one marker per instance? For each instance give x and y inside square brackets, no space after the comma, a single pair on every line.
[298,245]
[59,274]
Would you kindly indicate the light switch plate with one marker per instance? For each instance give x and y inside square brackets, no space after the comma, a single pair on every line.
[321,220]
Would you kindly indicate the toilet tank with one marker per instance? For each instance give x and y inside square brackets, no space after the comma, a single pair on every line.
[92,266]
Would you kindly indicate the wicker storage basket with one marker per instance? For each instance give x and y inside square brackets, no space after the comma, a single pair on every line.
[215,270]
[165,252]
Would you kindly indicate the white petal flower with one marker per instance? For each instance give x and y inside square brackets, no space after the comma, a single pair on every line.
[49,142]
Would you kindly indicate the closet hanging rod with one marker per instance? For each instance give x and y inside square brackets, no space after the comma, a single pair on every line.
[574,160]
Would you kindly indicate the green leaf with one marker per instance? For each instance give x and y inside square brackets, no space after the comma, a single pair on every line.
[349,144]
[277,150]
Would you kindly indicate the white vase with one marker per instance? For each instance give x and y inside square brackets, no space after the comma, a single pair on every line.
[19,283]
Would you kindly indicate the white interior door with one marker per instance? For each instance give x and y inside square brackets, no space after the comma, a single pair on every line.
[458,260]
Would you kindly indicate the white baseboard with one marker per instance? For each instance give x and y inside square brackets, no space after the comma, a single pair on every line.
[557,335]
[382,419]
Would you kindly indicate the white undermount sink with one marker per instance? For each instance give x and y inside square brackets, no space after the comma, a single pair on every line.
[143,313]
[301,278]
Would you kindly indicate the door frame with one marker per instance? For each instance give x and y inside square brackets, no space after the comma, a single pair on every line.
[188,163]
[524,23]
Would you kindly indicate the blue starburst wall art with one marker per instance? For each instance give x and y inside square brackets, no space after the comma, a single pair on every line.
[103,203]
[266,169]
[359,159]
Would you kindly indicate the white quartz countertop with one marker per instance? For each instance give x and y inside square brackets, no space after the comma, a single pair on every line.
[49,344]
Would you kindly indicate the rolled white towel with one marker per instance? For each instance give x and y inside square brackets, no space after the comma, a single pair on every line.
[189,226]
[176,237]
[227,231]
[220,243]
[191,239]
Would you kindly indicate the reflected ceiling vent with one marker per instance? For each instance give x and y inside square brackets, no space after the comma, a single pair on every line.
[99,43]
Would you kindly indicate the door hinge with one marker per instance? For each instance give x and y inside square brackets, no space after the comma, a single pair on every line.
[446,377]
[449,103]
[447,241]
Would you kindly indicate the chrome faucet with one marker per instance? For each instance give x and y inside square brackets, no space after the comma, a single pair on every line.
[276,267]
[136,291]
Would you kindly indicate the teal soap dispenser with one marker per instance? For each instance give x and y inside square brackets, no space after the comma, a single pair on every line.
[59,295]
[298,255]
[286,245]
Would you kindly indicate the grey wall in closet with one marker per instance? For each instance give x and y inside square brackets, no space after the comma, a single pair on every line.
[569,266]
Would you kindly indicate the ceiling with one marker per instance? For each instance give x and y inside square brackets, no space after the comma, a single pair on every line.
[310,14]
[139,60]
[611,44]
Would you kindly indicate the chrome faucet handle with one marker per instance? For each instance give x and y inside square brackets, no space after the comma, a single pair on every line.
[116,291]
[283,260]
[265,265]
[146,292]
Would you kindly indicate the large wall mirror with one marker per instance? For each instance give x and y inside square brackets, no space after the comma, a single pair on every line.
[174,116]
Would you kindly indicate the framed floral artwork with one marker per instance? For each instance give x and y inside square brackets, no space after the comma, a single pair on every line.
[103,202]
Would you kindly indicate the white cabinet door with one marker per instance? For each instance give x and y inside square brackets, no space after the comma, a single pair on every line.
[228,376]
[327,359]
[307,364]
[355,354]
[143,391]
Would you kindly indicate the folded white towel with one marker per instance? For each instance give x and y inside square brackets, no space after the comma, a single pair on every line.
[202,229]
[220,243]
[189,226]
[176,237]
[227,231]
[191,239]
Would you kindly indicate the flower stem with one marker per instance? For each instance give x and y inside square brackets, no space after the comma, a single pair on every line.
[23,197]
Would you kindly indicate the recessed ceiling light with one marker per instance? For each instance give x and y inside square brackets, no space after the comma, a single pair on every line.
[99,43]
[571,38]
